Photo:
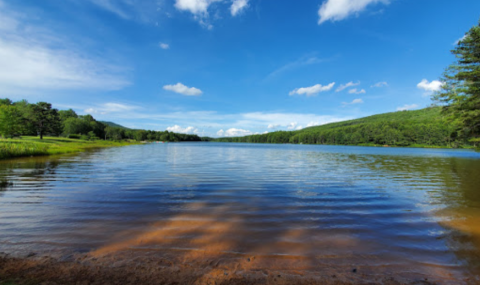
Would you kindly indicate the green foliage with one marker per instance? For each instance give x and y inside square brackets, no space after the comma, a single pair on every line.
[425,127]
[9,149]
[65,114]
[23,118]
[33,146]
[85,125]
[10,121]
[44,118]
[461,92]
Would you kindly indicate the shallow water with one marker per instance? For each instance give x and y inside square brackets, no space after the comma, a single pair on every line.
[405,211]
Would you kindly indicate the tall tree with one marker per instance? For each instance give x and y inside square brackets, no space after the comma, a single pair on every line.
[461,92]
[44,118]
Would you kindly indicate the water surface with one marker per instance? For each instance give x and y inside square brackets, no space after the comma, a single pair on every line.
[299,207]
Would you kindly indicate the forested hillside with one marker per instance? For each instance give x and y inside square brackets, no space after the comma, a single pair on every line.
[403,128]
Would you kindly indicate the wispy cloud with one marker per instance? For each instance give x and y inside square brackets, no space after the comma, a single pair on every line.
[34,58]
[303,61]
[459,40]
[108,108]
[337,10]
[184,90]
[379,84]
[345,86]
[164,46]
[142,11]
[356,91]
[354,102]
[312,90]
[407,107]
[238,6]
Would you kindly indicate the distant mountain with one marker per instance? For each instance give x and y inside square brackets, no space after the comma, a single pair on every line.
[111,124]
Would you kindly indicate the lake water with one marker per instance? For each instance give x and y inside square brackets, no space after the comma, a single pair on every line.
[398,211]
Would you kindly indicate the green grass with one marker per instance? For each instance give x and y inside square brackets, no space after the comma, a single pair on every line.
[34,146]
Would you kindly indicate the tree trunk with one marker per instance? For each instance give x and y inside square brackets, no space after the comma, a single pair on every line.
[41,135]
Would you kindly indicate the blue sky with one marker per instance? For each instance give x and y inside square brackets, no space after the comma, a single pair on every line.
[229,67]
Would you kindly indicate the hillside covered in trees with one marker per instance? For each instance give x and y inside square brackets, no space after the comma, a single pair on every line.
[426,127]
[25,119]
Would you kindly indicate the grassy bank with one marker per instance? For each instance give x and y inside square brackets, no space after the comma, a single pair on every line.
[34,146]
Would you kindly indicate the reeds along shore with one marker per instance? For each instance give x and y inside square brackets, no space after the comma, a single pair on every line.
[34,146]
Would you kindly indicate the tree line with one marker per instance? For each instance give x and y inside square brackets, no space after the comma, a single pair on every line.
[403,128]
[22,118]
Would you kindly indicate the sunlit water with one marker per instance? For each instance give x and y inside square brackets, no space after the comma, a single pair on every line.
[406,210]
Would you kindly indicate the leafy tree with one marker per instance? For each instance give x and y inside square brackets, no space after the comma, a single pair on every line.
[44,118]
[5,101]
[461,91]
[10,120]
[65,114]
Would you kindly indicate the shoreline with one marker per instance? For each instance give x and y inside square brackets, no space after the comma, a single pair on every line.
[150,267]
[367,145]
[48,146]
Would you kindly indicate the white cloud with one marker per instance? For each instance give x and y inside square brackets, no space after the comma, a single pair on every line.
[292,125]
[182,89]
[355,101]
[34,58]
[355,91]
[430,87]
[303,61]
[336,10]
[312,124]
[312,90]
[459,40]
[164,45]
[233,132]
[407,107]
[143,11]
[199,9]
[195,7]
[380,84]
[238,6]
[110,108]
[298,128]
[187,130]
[345,86]
[273,126]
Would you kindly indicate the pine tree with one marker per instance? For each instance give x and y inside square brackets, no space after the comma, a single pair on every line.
[461,92]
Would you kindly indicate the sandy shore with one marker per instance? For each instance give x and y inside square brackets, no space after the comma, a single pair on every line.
[143,267]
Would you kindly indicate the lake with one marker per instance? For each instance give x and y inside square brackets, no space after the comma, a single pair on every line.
[305,210]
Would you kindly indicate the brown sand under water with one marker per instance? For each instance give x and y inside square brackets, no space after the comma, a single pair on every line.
[213,248]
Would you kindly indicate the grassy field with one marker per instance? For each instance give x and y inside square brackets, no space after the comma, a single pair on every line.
[34,146]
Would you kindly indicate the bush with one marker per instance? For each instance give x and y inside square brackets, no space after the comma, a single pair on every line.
[84,137]
[73,136]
